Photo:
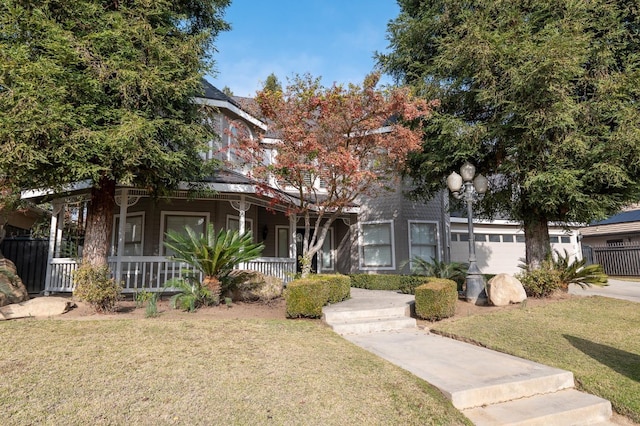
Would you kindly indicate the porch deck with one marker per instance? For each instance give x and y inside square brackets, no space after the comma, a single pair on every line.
[151,273]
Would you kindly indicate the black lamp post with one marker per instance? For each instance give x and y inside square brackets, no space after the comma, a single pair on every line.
[464,186]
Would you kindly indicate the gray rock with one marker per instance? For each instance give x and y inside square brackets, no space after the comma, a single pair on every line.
[505,289]
[12,290]
[38,307]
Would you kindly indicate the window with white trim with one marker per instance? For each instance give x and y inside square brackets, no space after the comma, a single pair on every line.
[233,224]
[223,146]
[327,253]
[133,235]
[423,240]
[282,241]
[376,245]
[178,222]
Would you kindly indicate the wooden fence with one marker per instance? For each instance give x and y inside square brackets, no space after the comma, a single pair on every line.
[30,257]
[617,260]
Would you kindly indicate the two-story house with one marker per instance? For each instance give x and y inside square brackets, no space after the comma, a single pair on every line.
[379,235]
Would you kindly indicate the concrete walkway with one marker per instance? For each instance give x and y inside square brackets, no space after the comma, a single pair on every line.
[489,387]
[617,289]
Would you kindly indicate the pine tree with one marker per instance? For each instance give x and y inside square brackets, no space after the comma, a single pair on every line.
[102,91]
[542,95]
[272,83]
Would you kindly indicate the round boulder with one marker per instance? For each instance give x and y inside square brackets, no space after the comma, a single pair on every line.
[12,290]
[505,289]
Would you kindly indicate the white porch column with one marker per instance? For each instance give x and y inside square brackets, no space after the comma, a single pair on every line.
[241,207]
[242,226]
[293,246]
[123,202]
[54,244]
[59,227]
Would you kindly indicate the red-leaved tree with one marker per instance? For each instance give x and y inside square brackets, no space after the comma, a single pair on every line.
[329,147]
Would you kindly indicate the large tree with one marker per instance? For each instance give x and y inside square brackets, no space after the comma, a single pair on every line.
[541,95]
[9,202]
[101,91]
[332,146]
[272,83]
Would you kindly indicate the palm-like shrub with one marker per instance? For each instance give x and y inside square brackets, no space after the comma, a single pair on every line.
[577,272]
[557,273]
[455,271]
[191,293]
[214,255]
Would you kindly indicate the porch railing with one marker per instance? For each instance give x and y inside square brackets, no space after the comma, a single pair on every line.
[281,267]
[151,273]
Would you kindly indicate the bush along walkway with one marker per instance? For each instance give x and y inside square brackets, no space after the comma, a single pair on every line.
[490,388]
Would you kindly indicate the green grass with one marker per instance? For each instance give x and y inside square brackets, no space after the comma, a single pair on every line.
[155,371]
[596,338]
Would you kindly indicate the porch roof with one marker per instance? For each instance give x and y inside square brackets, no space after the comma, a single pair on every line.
[223,184]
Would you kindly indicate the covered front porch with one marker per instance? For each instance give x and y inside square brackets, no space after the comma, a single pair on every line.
[151,273]
[140,261]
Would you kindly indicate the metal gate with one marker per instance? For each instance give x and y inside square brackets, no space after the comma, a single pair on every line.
[616,260]
[30,258]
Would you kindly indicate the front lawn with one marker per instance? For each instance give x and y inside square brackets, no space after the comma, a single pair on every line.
[193,371]
[596,338]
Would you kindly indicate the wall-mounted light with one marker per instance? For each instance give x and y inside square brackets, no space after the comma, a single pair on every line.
[265,232]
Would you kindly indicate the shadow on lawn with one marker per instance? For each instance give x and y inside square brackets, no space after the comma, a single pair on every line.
[625,363]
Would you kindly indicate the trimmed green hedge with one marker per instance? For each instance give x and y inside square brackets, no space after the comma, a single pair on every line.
[376,281]
[436,299]
[305,297]
[404,283]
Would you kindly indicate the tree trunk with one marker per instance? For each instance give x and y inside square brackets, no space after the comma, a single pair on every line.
[317,241]
[213,284]
[305,264]
[537,242]
[99,223]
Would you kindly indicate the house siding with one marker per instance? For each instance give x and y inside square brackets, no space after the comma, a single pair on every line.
[394,206]
[153,210]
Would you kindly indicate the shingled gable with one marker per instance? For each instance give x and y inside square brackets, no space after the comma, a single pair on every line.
[212,96]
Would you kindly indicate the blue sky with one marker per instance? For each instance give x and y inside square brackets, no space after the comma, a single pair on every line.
[332,39]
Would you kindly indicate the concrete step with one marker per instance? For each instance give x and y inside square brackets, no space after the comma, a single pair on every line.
[372,325]
[470,376]
[333,314]
[513,388]
[562,408]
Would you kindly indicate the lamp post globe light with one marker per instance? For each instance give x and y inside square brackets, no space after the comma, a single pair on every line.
[470,187]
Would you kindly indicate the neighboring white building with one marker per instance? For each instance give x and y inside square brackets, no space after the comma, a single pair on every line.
[500,243]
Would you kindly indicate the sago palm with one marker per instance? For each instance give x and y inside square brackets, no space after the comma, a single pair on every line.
[578,272]
[440,269]
[214,255]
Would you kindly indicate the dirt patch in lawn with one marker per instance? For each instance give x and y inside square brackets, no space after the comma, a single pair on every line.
[127,309]
[466,309]
[275,309]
